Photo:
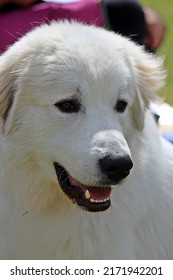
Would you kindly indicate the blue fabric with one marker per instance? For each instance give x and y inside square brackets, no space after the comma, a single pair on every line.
[168,136]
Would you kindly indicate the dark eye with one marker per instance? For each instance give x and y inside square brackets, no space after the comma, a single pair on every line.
[120,106]
[68,106]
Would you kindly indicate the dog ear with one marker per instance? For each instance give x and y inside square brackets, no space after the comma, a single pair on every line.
[150,77]
[12,65]
[138,110]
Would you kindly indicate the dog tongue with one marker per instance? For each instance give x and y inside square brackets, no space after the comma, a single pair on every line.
[97,193]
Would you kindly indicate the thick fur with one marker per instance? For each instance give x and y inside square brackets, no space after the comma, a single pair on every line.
[37,221]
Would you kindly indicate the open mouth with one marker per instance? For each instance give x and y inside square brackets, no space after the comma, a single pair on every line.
[90,198]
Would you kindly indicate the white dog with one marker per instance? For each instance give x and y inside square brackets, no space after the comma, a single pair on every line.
[84,173]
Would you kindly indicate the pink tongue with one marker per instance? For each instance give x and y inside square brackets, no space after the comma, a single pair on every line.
[99,193]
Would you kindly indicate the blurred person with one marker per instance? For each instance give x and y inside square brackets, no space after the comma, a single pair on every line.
[141,24]
[18,17]
[126,17]
[19,2]
[155,29]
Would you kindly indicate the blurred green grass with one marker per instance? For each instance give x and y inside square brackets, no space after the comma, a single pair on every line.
[165,9]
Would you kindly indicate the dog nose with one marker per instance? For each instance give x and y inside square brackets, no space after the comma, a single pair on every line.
[116,167]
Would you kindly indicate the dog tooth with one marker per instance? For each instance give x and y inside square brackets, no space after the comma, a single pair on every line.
[87,194]
[99,201]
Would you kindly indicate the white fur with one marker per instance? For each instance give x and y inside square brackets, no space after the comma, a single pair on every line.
[37,221]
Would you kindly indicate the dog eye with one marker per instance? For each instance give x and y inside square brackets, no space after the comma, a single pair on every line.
[68,106]
[120,106]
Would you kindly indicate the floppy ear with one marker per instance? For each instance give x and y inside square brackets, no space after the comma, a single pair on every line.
[150,77]
[138,111]
[11,67]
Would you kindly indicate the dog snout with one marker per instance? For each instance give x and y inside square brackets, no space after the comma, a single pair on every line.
[116,168]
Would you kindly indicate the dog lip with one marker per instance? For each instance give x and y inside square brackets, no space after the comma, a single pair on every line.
[90,198]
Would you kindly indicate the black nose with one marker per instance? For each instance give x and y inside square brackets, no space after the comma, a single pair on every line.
[116,167]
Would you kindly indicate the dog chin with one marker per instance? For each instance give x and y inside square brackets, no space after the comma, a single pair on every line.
[90,198]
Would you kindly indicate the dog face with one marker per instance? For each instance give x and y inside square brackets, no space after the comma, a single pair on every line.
[70,94]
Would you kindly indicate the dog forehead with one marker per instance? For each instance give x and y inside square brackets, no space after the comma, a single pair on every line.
[89,58]
[81,67]
[64,77]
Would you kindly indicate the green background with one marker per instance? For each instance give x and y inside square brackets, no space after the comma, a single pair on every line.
[165,9]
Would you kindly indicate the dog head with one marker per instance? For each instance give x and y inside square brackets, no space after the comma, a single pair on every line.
[69,94]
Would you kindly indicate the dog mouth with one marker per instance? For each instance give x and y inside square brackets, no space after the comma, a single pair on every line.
[90,198]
